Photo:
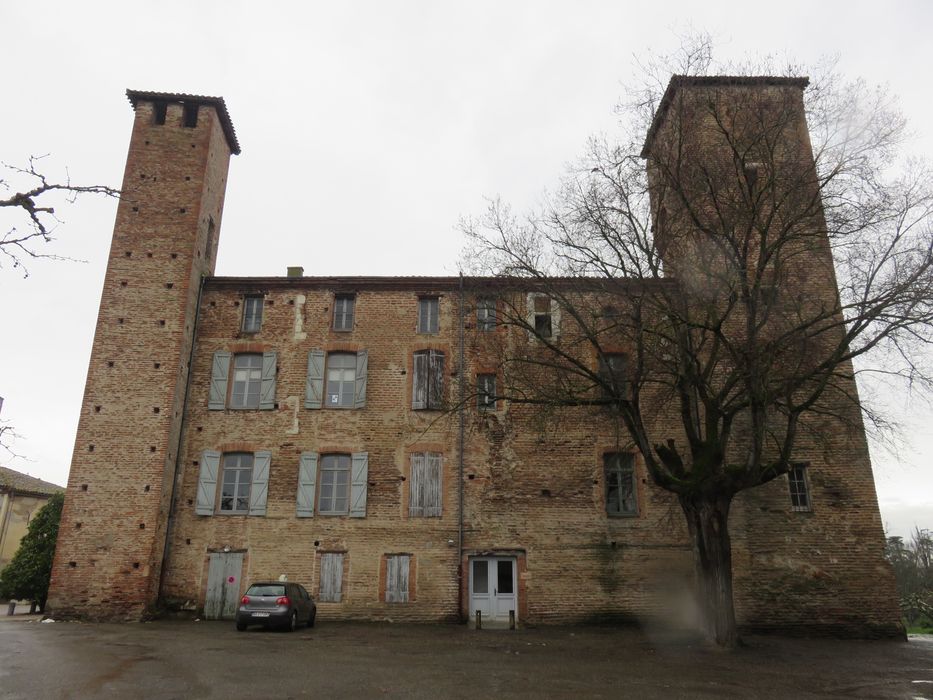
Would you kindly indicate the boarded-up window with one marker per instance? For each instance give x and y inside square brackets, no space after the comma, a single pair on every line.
[620,484]
[428,309]
[331,577]
[424,495]
[397,568]
[428,380]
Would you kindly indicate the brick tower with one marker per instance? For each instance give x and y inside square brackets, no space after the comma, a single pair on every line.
[113,529]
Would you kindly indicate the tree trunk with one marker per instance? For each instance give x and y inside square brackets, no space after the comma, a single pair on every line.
[708,521]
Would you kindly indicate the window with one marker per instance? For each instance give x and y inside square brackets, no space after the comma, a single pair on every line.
[486,314]
[341,379]
[331,577]
[486,391]
[346,379]
[612,373]
[428,314]
[242,478]
[247,381]
[158,112]
[620,484]
[397,575]
[190,115]
[424,490]
[428,380]
[343,312]
[252,376]
[252,314]
[799,491]
[543,317]
[335,485]
[334,472]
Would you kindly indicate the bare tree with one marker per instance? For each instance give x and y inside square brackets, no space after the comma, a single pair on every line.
[715,275]
[35,211]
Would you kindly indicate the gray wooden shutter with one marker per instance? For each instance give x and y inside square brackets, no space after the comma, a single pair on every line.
[432,485]
[314,386]
[362,367]
[259,489]
[207,482]
[359,471]
[331,577]
[435,390]
[419,381]
[416,486]
[397,578]
[267,388]
[307,476]
[220,371]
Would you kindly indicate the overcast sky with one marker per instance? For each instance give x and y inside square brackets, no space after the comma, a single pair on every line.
[368,129]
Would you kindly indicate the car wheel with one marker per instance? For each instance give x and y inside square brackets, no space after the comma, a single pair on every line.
[241,627]
[311,618]
[293,621]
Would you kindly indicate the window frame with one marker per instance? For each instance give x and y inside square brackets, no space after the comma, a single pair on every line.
[533,315]
[425,325]
[251,323]
[347,315]
[612,465]
[323,469]
[351,359]
[798,484]
[615,376]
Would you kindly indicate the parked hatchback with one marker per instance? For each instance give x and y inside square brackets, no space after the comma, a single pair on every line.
[276,604]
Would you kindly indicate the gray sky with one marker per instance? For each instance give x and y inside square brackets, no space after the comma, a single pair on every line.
[368,129]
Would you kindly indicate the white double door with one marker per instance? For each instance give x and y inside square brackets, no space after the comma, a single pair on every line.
[493,588]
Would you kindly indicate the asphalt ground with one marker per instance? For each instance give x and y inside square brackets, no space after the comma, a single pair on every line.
[186,659]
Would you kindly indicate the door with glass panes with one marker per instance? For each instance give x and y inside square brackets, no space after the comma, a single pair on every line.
[493,589]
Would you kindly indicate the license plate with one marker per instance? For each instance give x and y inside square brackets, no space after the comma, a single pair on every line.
[260,614]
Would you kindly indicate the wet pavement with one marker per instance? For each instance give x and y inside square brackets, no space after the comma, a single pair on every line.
[185,659]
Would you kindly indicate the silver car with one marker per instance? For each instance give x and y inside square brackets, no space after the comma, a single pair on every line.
[276,604]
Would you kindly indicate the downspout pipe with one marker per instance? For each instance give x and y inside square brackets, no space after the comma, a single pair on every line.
[462,417]
[181,438]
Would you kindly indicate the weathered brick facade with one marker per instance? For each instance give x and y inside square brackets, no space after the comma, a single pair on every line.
[521,491]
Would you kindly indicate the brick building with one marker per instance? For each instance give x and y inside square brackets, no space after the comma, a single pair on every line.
[235,429]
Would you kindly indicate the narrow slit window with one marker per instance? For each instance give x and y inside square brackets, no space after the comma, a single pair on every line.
[799,490]
[158,113]
[190,115]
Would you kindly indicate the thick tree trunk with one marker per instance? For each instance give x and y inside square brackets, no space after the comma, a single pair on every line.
[708,521]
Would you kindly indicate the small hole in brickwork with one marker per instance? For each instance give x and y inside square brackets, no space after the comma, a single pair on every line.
[194,463]
[236,303]
[97,409]
[142,176]
[84,487]
[148,255]
[187,177]
[146,142]
[471,476]
[155,409]
[77,526]
[152,448]
[142,526]
[161,321]
[135,208]
[72,564]
[200,428]
[613,544]
[123,283]
[135,564]
[120,321]
[190,501]
[291,302]
[110,363]
[174,256]
[545,492]
[192,145]
[90,448]
[213,303]
[270,302]
[157,364]
[187,540]
[317,543]
[199,252]
[402,478]
[595,481]
[146,488]
[182,210]
[129,253]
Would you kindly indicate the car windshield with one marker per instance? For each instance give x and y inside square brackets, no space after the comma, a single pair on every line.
[266,589]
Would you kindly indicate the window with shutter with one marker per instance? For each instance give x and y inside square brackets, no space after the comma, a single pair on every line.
[341,380]
[331,577]
[424,489]
[307,479]
[359,472]
[397,568]
[247,381]
[207,482]
[220,372]
[334,484]
[428,380]
[314,387]
[259,488]
[236,482]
